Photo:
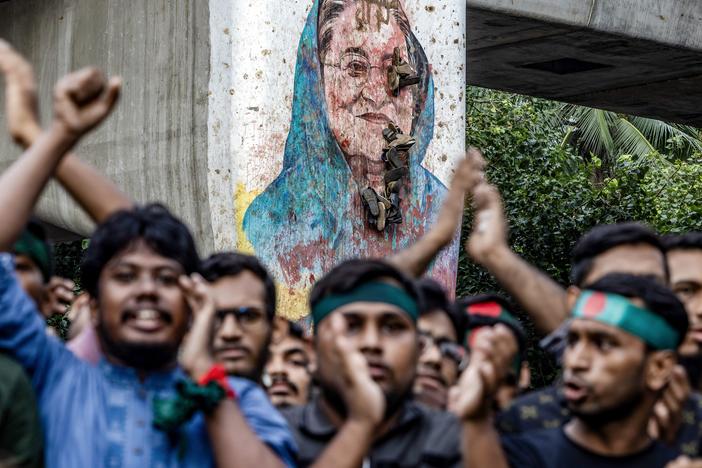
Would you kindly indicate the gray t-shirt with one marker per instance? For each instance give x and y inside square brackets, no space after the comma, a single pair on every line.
[422,437]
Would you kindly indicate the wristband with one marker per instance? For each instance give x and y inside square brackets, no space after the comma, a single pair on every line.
[217,374]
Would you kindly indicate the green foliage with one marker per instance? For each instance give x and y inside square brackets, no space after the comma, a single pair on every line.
[553,194]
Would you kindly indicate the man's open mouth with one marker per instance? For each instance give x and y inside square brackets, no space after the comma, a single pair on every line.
[147,320]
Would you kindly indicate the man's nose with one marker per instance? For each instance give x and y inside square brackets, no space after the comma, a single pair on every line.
[578,357]
[146,286]
[370,340]
[275,366]
[230,329]
[431,355]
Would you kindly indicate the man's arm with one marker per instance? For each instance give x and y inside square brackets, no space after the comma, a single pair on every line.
[95,193]
[541,297]
[415,259]
[471,400]
[233,441]
[81,101]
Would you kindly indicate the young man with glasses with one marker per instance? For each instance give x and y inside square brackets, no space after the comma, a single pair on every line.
[441,332]
[245,299]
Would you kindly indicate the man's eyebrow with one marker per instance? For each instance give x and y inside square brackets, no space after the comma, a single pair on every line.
[290,352]
[357,51]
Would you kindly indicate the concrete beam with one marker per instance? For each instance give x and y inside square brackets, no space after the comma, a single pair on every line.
[641,57]
[151,145]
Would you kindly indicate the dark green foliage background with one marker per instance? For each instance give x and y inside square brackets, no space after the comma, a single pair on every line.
[553,194]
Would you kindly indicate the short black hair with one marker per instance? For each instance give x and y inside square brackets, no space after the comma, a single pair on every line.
[657,298]
[432,298]
[223,264]
[296,331]
[154,224]
[605,237]
[350,274]
[515,326]
[688,241]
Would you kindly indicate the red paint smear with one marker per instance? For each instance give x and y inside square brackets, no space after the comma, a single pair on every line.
[594,305]
[489,309]
[473,335]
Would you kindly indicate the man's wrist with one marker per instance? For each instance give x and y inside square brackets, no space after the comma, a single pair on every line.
[497,255]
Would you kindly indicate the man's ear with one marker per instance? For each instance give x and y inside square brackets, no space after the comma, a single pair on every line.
[659,369]
[94,315]
[572,295]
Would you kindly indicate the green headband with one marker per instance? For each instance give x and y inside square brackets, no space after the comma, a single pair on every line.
[31,246]
[619,312]
[368,292]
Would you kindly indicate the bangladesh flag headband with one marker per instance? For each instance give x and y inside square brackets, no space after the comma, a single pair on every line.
[619,312]
[368,292]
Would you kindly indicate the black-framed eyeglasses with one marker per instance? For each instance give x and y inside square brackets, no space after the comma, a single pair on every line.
[448,349]
[245,316]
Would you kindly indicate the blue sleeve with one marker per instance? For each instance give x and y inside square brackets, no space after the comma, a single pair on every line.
[23,331]
[521,453]
[268,424]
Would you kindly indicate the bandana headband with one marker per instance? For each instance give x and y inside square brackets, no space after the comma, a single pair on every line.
[31,246]
[368,292]
[619,312]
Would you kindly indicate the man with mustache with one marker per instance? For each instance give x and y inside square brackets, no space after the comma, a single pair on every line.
[288,372]
[365,314]
[136,271]
[245,296]
[620,354]
[684,254]
[625,247]
[441,334]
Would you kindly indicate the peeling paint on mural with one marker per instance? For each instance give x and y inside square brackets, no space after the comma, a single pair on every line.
[311,216]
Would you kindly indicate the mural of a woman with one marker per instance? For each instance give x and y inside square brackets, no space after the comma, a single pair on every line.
[311,216]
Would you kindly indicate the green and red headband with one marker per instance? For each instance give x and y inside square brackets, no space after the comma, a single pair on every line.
[367,292]
[619,312]
[490,313]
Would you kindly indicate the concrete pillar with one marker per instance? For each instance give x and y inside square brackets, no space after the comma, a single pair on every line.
[235,119]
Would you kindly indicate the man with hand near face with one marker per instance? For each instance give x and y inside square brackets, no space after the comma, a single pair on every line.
[288,373]
[365,314]
[619,357]
[441,334]
[135,270]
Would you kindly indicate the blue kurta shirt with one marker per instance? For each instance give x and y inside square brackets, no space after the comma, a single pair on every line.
[101,416]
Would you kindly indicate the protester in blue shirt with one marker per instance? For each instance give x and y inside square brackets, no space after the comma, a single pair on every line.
[136,272]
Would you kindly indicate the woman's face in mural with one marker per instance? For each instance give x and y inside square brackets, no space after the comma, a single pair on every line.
[358,98]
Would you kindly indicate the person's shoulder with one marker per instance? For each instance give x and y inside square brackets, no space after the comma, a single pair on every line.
[533,448]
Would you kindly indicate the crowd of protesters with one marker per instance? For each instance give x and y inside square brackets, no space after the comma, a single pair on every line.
[174,360]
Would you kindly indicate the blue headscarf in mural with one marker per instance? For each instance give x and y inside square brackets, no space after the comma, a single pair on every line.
[310,217]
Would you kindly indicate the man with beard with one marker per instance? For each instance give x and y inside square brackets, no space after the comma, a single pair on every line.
[365,314]
[245,297]
[684,253]
[441,334]
[627,248]
[619,357]
[136,271]
[288,372]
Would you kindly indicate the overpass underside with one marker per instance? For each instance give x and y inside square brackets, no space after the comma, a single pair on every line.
[641,57]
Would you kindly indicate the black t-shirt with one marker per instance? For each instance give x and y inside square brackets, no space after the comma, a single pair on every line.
[551,448]
[547,409]
[422,437]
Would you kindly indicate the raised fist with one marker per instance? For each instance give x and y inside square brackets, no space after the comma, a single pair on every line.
[83,99]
